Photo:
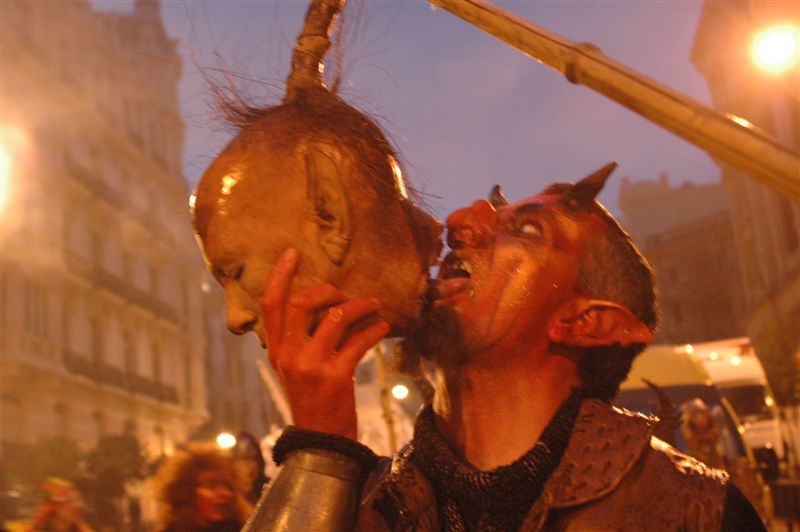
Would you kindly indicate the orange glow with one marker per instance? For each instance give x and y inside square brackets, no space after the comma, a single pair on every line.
[776,49]
[226,440]
[5,170]
[739,120]
[400,391]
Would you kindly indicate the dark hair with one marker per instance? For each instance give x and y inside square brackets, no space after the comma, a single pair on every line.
[614,269]
[317,110]
[176,481]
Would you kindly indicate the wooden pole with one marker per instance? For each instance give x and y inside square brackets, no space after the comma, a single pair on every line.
[386,404]
[735,143]
[275,392]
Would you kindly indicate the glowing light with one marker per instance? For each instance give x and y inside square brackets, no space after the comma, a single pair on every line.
[769,401]
[736,360]
[776,48]
[689,348]
[713,355]
[398,176]
[5,170]
[741,121]
[226,440]
[192,201]
[205,287]
[400,391]
[228,182]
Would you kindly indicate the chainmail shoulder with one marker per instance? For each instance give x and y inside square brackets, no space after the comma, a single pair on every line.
[489,500]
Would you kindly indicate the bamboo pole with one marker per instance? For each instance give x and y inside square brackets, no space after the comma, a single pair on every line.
[386,404]
[275,392]
[742,147]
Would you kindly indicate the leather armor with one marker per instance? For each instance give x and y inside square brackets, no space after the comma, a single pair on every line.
[614,475]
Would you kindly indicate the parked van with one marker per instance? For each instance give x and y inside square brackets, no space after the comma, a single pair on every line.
[682,378]
[735,369]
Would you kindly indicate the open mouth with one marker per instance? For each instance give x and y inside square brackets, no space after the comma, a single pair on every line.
[454,266]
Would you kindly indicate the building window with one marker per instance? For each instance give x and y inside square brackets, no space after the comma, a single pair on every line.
[130,428]
[187,377]
[98,248]
[97,340]
[129,352]
[127,265]
[12,415]
[677,313]
[791,239]
[154,279]
[35,312]
[184,299]
[99,423]
[156,363]
[61,418]
[158,440]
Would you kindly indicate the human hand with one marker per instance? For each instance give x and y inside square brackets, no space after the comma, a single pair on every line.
[316,367]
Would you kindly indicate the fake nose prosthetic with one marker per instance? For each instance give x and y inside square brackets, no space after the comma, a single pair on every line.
[472,226]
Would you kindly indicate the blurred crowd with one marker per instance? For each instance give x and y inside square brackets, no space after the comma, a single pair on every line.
[201,487]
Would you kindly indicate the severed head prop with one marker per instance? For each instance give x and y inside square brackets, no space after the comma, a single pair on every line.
[315,174]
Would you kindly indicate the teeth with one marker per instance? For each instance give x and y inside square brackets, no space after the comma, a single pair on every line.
[454,266]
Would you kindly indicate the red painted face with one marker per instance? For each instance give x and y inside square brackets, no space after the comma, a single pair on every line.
[522,264]
[213,495]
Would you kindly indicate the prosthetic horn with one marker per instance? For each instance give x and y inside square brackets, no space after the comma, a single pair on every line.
[582,193]
[497,198]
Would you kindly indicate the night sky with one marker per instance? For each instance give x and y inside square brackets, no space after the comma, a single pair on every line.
[465,110]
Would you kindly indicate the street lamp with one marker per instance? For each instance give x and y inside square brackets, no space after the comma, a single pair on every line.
[226,440]
[400,391]
[5,169]
[776,48]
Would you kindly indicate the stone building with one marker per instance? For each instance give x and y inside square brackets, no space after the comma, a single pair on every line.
[767,225]
[102,317]
[687,235]
[238,397]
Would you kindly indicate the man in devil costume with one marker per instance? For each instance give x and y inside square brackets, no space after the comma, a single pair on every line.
[541,307]
[536,316]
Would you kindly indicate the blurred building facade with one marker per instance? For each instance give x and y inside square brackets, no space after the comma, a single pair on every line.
[238,398]
[687,234]
[102,310]
[767,225]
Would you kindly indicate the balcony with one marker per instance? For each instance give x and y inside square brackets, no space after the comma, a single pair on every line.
[133,294]
[104,374]
[99,188]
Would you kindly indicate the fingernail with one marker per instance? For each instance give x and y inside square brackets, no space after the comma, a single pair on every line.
[289,256]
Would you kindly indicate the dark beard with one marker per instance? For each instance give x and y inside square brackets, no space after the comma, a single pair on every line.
[437,339]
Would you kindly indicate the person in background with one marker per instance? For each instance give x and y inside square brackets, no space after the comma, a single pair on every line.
[62,510]
[248,458]
[701,432]
[200,490]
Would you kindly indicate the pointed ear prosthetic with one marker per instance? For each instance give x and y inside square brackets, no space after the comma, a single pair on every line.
[583,322]
[331,207]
